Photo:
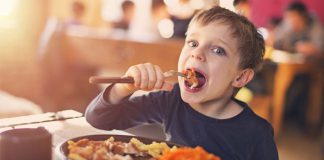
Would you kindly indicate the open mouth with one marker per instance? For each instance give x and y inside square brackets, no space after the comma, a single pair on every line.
[194,79]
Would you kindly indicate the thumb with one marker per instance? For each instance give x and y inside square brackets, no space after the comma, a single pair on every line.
[167,86]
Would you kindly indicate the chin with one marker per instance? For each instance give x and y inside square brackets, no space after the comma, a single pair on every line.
[190,98]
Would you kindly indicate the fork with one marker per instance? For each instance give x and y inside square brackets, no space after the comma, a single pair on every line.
[171,73]
[103,79]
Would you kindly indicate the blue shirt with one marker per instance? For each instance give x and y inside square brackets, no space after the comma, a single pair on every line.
[245,136]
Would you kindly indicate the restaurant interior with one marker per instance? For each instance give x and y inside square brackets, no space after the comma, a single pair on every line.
[50,49]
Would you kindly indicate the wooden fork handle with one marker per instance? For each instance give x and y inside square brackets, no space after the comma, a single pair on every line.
[100,79]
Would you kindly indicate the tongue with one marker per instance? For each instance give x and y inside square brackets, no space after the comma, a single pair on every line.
[201,81]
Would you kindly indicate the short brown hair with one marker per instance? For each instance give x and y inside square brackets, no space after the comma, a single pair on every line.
[250,41]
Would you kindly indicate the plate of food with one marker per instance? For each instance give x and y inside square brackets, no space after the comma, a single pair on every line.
[111,146]
[124,147]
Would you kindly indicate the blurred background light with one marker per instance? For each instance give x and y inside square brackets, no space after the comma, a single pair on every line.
[171,2]
[165,28]
[227,4]
[264,32]
[197,4]
[7,7]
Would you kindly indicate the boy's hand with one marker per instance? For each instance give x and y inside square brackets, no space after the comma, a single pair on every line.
[146,77]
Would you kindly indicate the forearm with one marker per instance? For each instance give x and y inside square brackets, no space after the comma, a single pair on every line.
[116,93]
[127,113]
[97,111]
[102,114]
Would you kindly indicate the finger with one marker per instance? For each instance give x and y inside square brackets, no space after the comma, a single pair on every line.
[144,76]
[159,77]
[134,72]
[151,75]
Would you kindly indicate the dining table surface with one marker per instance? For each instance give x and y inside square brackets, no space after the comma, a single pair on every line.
[73,124]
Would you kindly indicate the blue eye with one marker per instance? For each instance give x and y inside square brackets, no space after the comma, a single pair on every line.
[192,43]
[219,51]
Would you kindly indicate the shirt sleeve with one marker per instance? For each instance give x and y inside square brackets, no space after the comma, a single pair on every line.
[128,113]
[265,147]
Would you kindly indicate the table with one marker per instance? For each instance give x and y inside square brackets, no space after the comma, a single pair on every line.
[63,130]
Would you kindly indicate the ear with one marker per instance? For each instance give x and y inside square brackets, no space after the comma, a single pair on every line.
[243,78]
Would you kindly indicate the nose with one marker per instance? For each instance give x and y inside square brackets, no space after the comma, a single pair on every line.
[198,55]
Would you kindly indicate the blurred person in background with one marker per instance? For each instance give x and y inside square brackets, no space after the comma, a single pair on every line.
[56,25]
[128,10]
[182,11]
[271,27]
[181,14]
[300,31]
[157,24]
[159,10]
[77,10]
[162,26]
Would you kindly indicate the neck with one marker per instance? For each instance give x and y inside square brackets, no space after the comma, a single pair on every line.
[219,109]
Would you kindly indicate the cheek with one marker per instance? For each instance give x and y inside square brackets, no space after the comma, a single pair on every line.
[222,73]
[181,60]
[219,66]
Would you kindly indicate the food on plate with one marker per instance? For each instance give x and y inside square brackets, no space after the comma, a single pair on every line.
[186,153]
[154,149]
[110,149]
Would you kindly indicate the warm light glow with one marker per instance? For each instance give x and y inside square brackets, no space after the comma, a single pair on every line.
[7,7]
[279,56]
[227,4]
[197,4]
[171,2]
[111,10]
[7,17]
[165,27]
[5,23]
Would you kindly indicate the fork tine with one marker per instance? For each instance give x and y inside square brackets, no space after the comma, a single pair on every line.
[171,73]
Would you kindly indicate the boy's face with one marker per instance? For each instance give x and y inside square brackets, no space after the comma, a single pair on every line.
[212,51]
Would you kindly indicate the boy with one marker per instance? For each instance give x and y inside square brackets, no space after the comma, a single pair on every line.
[223,49]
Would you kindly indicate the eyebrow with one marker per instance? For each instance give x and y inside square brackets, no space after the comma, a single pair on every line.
[227,46]
[222,41]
